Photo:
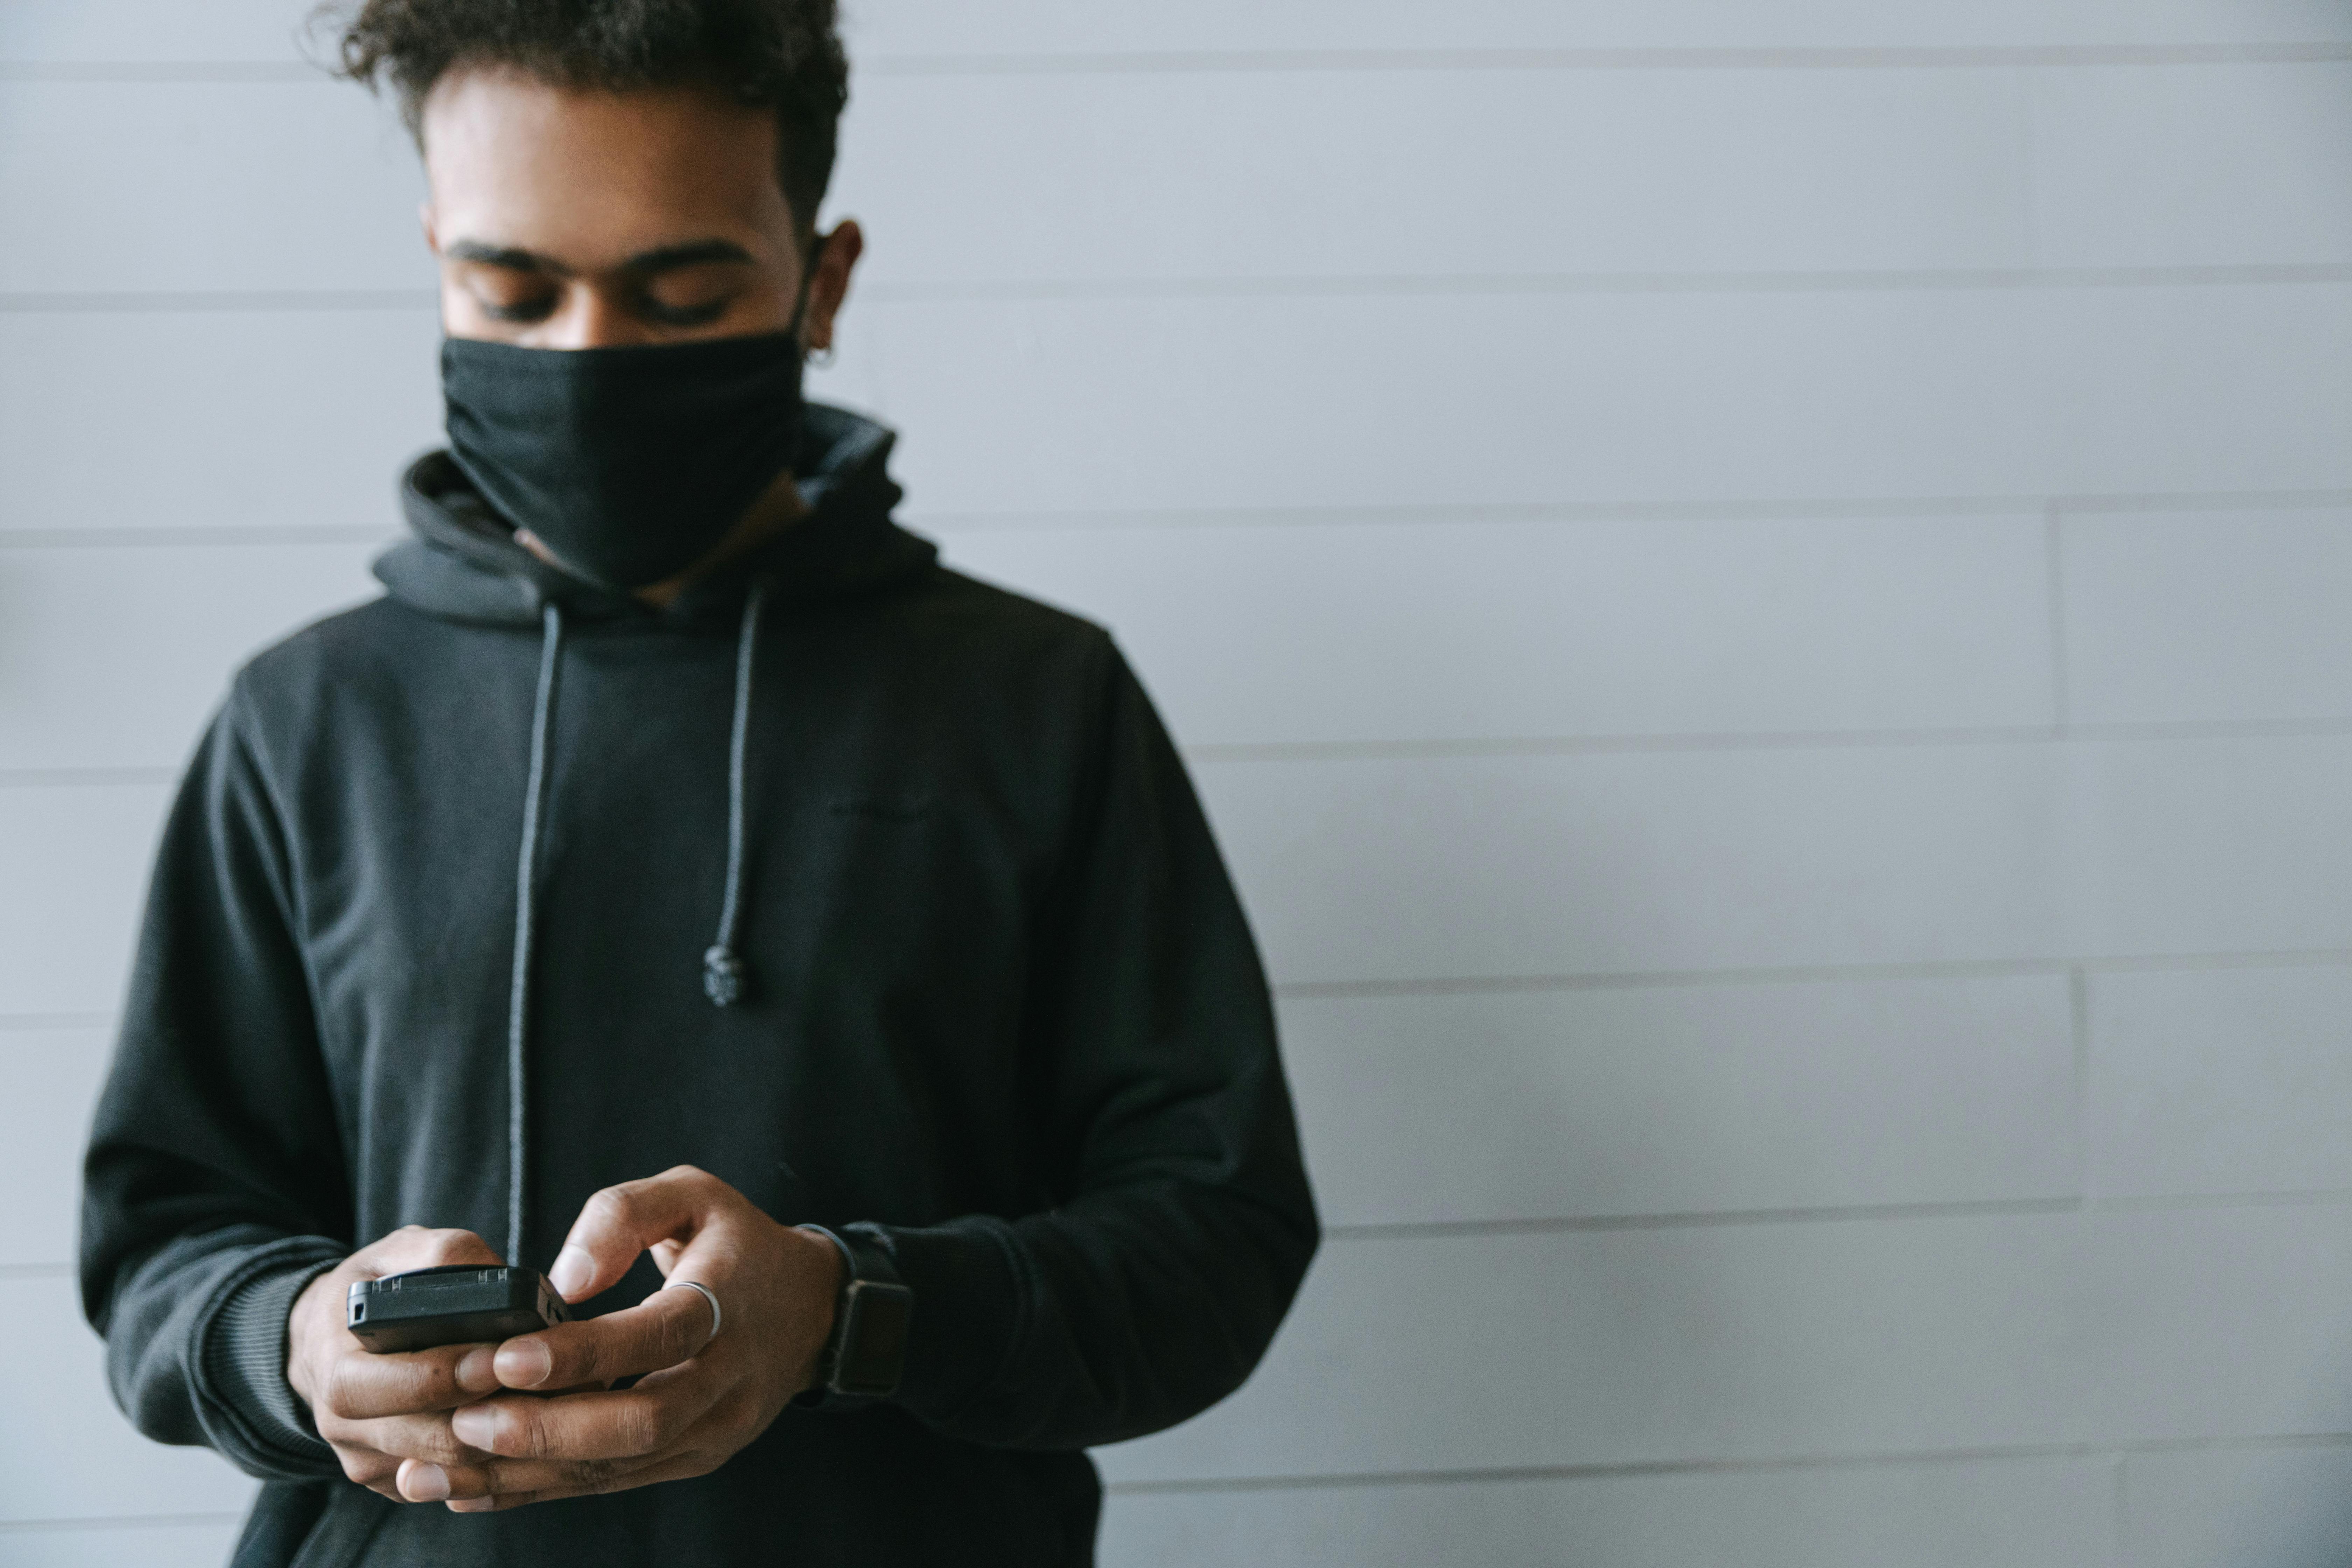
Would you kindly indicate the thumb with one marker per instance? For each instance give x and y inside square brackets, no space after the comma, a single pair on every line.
[621,1222]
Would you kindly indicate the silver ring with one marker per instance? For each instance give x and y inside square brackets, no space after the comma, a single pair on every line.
[716,1316]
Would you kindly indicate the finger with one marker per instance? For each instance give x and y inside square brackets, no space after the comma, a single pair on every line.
[663,1329]
[617,1224]
[362,1386]
[363,1464]
[669,1468]
[414,1246]
[510,1478]
[397,1439]
[643,1420]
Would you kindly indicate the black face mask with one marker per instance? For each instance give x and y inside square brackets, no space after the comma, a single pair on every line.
[631,464]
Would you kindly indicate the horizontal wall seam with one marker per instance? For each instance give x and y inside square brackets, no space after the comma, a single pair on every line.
[153,301]
[1729,1219]
[1836,1213]
[1861,280]
[1857,280]
[1652,58]
[1652,980]
[1721,1219]
[1717,508]
[119,1522]
[1305,752]
[1776,509]
[1808,975]
[1127,62]
[1889,1458]
[200,536]
[1763,741]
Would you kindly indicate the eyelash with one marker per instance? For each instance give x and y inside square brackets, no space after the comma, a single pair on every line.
[530,311]
[683,315]
[651,309]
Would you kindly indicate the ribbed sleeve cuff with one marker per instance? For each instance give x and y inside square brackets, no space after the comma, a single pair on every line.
[244,1350]
[971,1292]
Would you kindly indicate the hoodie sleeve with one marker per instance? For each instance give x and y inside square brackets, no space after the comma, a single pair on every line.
[1183,1224]
[215,1185]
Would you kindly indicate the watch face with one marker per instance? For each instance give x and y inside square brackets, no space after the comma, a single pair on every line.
[875,1345]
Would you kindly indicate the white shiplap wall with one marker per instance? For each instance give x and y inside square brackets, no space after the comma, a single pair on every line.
[1761,594]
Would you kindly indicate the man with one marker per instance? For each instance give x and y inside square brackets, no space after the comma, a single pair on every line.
[679,857]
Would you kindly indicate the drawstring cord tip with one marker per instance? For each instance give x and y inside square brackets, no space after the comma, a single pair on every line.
[724,978]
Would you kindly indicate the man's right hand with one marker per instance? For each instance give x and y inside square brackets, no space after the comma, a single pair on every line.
[375,1410]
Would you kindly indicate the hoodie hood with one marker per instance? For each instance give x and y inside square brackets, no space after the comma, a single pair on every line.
[463,563]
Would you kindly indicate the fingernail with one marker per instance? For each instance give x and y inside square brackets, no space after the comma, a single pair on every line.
[573,1269]
[524,1363]
[425,1483]
[477,1370]
[474,1427]
[472,1504]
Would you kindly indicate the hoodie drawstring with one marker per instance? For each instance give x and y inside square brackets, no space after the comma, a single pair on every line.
[724,976]
[542,709]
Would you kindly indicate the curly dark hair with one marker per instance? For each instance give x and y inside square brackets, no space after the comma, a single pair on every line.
[781,54]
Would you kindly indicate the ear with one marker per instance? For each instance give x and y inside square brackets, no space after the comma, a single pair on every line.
[424,221]
[835,258]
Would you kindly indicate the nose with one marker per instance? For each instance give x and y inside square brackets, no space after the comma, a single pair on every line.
[590,318]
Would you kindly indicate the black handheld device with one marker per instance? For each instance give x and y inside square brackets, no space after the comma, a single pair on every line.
[456,1304]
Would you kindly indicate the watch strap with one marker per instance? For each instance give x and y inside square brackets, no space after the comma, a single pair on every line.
[863,1356]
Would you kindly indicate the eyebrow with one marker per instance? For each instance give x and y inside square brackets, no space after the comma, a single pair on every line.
[644,264]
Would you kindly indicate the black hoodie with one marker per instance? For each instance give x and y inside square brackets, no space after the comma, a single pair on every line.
[1000,1003]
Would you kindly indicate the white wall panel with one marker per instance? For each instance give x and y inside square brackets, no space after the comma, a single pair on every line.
[1554,1105]
[74,860]
[141,30]
[1456,401]
[1427,629]
[2211,166]
[2041,1513]
[2211,616]
[1614,864]
[1653,1346]
[247,186]
[170,1545]
[1049,27]
[2219,1323]
[80,683]
[1439,175]
[53,1078]
[2284,1506]
[1789,1339]
[65,1452]
[150,31]
[204,419]
[1622,863]
[2206,847]
[2228,1081]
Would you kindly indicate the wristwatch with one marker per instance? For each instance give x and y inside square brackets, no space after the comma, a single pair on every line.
[868,1349]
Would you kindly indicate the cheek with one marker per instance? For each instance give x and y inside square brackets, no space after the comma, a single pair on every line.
[763,308]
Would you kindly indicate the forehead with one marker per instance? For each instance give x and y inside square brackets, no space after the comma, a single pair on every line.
[592,176]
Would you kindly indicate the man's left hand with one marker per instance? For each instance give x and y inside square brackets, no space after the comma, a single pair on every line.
[700,1400]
